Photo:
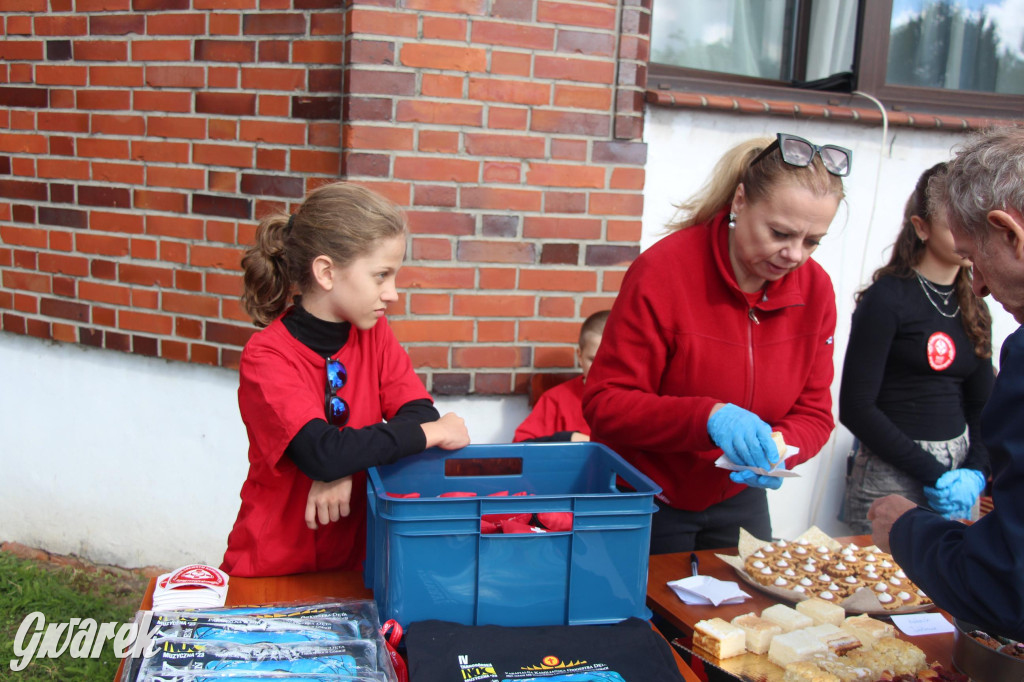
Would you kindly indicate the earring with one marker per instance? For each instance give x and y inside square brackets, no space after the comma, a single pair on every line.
[732,221]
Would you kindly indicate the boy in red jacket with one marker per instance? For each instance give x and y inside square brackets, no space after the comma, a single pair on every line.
[558,414]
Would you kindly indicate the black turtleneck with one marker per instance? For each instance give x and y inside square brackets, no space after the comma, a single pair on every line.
[324,452]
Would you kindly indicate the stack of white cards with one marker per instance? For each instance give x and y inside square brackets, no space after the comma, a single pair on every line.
[195,586]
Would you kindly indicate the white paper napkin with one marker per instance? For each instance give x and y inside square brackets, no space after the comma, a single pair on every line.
[724,462]
[703,589]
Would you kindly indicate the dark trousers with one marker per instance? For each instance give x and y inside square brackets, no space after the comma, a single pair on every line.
[718,526]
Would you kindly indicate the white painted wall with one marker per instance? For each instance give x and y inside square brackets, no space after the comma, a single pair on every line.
[137,461]
[684,145]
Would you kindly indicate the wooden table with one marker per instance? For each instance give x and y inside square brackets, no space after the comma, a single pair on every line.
[307,586]
[665,603]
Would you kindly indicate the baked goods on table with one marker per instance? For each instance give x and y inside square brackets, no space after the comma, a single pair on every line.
[860,579]
[802,648]
[1003,645]
[759,631]
[719,638]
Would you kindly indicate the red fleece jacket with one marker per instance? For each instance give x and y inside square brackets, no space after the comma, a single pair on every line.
[558,409]
[682,336]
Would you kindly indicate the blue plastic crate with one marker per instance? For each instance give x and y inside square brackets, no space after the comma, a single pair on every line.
[426,557]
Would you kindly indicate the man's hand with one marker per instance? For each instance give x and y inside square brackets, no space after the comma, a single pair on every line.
[883,514]
[579,437]
[328,501]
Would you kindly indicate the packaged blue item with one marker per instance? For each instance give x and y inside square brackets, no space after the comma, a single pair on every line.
[328,641]
[264,676]
[334,659]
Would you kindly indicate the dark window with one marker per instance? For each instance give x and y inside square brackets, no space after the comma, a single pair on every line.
[946,56]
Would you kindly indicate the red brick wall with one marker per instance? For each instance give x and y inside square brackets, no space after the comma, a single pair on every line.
[141,140]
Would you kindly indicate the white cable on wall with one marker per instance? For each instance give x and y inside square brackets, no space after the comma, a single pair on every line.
[878,179]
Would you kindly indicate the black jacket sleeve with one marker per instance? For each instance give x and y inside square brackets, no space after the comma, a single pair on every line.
[325,453]
[974,572]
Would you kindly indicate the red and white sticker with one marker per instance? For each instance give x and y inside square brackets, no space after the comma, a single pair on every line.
[193,586]
[941,351]
[199,575]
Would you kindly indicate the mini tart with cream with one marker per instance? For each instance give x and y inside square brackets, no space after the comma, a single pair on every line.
[908,598]
[809,569]
[871,562]
[887,567]
[753,563]
[895,584]
[800,552]
[783,582]
[888,600]
[850,584]
[764,576]
[840,569]
[807,583]
[851,558]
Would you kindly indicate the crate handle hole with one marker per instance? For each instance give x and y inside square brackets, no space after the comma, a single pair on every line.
[484,466]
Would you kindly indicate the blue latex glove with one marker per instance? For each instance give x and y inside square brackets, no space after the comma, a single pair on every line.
[956,492]
[756,481]
[964,486]
[948,510]
[939,500]
[744,437]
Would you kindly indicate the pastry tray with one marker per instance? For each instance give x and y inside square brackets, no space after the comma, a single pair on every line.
[862,601]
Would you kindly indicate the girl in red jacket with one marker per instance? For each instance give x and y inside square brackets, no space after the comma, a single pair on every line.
[317,384]
[720,334]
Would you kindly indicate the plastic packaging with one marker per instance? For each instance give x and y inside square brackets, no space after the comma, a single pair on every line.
[330,641]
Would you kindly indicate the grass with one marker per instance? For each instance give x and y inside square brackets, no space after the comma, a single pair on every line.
[62,593]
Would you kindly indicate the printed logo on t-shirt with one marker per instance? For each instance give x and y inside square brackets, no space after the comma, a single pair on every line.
[941,351]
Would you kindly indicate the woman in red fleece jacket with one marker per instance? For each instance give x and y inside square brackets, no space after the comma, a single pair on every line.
[721,333]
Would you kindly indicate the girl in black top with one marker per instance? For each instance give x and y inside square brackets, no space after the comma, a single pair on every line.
[917,373]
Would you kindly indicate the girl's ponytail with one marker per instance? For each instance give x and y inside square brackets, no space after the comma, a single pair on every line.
[267,283]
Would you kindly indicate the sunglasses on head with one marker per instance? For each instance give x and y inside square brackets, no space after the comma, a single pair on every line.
[335,408]
[796,151]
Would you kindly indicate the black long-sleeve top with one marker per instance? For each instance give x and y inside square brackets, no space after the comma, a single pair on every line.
[895,389]
[315,448]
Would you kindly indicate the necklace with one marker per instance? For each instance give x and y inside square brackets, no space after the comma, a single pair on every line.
[944,295]
[928,288]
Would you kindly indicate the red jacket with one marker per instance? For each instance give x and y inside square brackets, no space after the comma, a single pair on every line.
[560,408]
[281,387]
[682,336]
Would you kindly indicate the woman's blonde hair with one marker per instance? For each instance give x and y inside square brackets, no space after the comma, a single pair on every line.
[341,221]
[734,169]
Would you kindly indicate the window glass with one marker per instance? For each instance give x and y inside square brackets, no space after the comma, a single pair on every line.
[831,39]
[742,37]
[957,45]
